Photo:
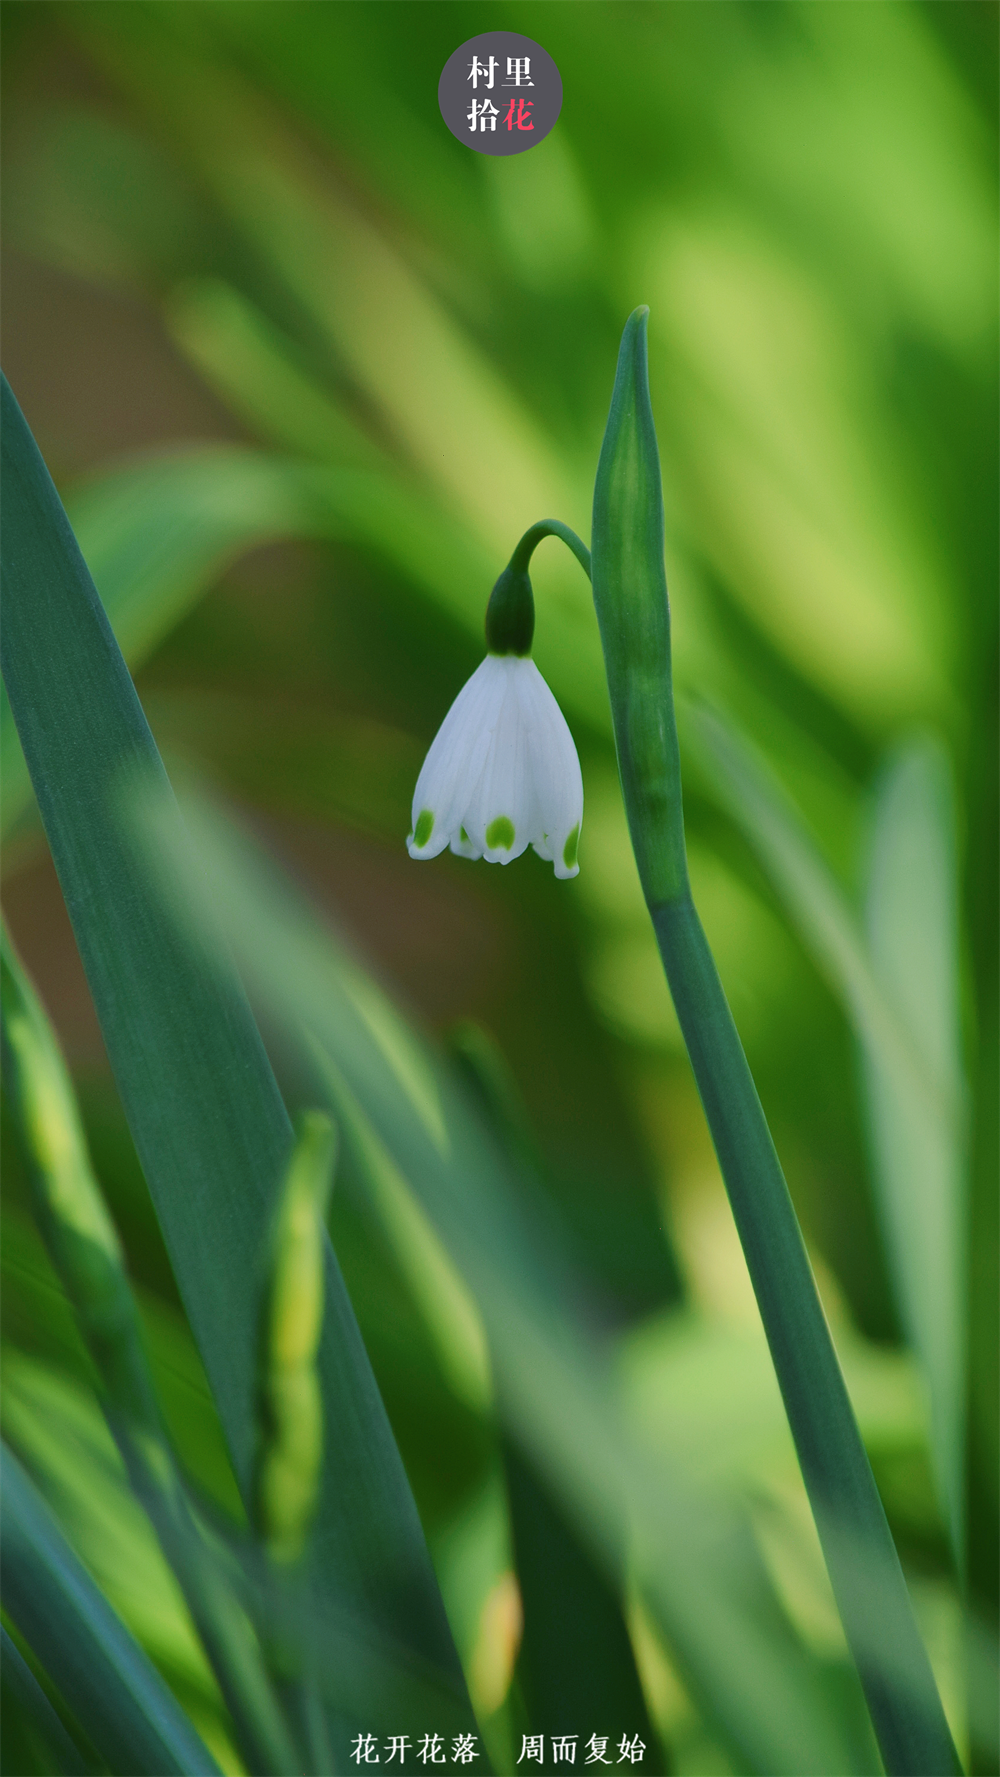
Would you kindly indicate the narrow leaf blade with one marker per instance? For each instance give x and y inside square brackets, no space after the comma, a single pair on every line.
[204,1108]
[105,1677]
[899,992]
[553,1376]
[919,1157]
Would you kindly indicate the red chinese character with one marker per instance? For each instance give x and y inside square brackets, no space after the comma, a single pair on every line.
[523,107]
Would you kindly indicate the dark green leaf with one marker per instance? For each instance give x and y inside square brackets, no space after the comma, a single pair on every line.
[105,1677]
[631,599]
[208,1121]
[21,1683]
[554,1378]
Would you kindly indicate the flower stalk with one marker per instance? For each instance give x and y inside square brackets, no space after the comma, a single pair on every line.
[630,595]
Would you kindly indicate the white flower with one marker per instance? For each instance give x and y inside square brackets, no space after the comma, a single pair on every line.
[502,773]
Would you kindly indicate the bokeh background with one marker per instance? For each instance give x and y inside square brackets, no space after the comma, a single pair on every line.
[304,368]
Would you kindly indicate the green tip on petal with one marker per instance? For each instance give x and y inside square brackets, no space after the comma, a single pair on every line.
[500,833]
[425,826]
[571,847]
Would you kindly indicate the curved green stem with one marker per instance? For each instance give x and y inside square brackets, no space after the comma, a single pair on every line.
[510,614]
[549,527]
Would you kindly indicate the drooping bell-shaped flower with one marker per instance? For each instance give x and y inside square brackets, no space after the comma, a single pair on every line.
[502,772]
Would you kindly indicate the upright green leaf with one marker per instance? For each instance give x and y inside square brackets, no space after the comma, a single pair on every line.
[118,1697]
[85,1252]
[20,1683]
[208,1121]
[899,990]
[153,539]
[919,1153]
[262,375]
[155,535]
[630,594]
[576,1661]
[68,1205]
[752,796]
[553,1376]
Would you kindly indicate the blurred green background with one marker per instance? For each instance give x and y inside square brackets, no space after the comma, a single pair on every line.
[304,368]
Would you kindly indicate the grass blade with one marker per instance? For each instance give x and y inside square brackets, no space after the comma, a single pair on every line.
[208,1121]
[118,1697]
[630,594]
[155,535]
[553,1376]
[899,991]
[85,1252]
[262,374]
[22,1684]
[919,1155]
[760,808]
[575,1662]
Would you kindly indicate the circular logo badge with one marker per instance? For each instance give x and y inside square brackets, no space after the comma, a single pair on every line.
[500,93]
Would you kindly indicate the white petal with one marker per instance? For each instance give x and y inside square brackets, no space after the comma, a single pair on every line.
[455,761]
[558,782]
[502,773]
[498,815]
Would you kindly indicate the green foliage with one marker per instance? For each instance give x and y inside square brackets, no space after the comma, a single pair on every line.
[103,1674]
[907,1024]
[304,369]
[28,1697]
[171,1017]
[630,595]
[380,1078]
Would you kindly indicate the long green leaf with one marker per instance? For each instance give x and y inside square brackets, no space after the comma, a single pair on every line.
[84,1249]
[155,535]
[751,794]
[575,1662]
[554,1380]
[262,375]
[56,1429]
[919,1154]
[575,1658]
[153,539]
[208,1121]
[105,1677]
[630,595]
[22,1684]
[899,990]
